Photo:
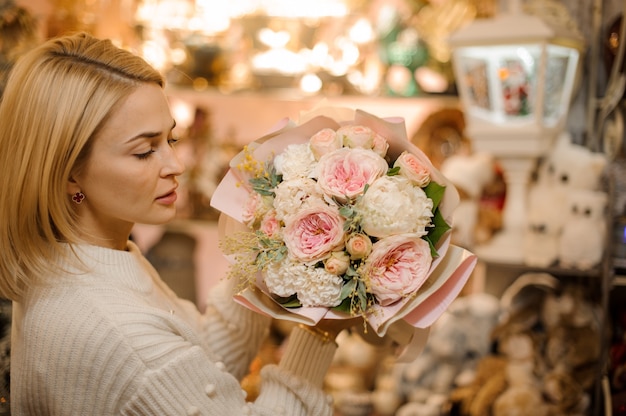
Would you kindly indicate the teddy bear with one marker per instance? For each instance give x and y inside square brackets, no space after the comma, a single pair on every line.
[582,238]
[523,395]
[567,168]
[547,345]
[457,340]
[477,397]
[471,174]
[572,349]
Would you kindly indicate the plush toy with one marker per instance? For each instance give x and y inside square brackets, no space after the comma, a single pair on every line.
[572,349]
[470,174]
[581,243]
[476,398]
[544,222]
[572,166]
[523,395]
[567,169]
[545,356]
[457,340]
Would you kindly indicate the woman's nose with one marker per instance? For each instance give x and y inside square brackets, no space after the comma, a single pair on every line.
[172,163]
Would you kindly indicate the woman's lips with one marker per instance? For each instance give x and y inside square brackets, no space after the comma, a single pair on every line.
[168,199]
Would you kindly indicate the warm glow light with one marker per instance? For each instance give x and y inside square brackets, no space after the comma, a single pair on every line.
[273,39]
[300,8]
[165,14]
[279,61]
[178,55]
[310,84]
[362,31]
[183,113]
[170,27]
[155,55]
[430,80]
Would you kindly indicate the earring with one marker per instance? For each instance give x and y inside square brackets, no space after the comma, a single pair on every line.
[78,197]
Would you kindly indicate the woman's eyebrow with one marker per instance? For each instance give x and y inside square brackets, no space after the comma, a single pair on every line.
[150,134]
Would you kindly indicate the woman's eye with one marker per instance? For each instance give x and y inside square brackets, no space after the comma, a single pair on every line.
[172,141]
[144,155]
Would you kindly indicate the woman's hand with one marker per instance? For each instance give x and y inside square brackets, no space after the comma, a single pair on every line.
[334,326]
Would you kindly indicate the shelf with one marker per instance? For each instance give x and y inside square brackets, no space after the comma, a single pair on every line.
[554,270]
[619,280]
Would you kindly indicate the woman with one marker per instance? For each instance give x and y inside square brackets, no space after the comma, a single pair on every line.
[87,152]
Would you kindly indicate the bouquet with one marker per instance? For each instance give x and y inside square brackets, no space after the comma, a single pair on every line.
[341,216]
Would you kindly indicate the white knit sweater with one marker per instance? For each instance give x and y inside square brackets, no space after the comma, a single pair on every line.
[117,341]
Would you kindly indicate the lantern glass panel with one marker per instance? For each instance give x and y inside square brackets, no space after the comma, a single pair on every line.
[561,68]
[500,81]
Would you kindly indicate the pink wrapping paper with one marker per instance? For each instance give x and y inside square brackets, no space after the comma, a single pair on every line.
[448,274]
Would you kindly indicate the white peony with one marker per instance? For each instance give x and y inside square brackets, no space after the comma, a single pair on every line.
[296,161]
[319,288]
[393,205]
[313,285]
[279,277]
[293,195]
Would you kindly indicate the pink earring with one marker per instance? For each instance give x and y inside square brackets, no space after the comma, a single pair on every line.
[78,197]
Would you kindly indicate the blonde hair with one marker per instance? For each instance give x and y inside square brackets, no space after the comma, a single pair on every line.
[57,98]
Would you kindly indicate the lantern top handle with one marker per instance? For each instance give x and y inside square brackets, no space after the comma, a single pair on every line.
[535,21]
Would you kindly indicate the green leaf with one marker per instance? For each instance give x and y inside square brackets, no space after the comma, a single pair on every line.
[348,289]
[347,211]
[362,294]
[289,302]
[265,184]
[393,171]
[439,228]
[344,306]
[435,192]
[433,251]
[351,272]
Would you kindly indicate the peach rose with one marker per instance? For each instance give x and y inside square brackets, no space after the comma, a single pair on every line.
[324,141]
[380,145]
[413,169]
[359,246]
[356,137]
[337,263]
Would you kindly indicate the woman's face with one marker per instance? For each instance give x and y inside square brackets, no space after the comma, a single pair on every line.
[131,174]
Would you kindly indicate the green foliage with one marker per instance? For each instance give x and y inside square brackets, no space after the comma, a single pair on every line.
[435,192]
[265,184]
[268,250]
[393,171]
[288,302]
[354,296]
[439,226]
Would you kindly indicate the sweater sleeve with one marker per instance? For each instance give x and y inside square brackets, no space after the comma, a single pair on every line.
[187,385]
[233,333]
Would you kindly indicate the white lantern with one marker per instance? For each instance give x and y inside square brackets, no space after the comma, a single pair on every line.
[515,75]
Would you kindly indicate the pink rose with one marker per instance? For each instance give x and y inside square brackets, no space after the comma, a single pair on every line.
[345,172]
[360,137]
[269,224]
[324,141]
[397,267]
[359,246]
[337,263]
[250,208]
[413,169]
[312,233]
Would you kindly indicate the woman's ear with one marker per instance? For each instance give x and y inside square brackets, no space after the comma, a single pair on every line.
[72,186]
